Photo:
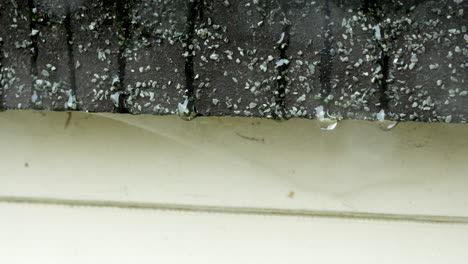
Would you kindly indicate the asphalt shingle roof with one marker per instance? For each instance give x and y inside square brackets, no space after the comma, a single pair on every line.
[266,58]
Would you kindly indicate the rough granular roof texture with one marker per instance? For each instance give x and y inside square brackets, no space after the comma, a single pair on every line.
[266,58]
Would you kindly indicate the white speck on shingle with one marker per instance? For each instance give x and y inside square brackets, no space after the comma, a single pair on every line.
[378,69]
[214,56]
[282,62]
[101,55]
[92,26]
[115,80]
[281,38]
[377,34]
[302,98]
[414,60]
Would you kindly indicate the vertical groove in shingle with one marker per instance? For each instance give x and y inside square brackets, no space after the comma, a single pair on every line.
[326,62]
[1,74]
[2,90]
[374,11]
[33,48]
[282,67]
[194,13]
[70,51]
[123,23]
[384,63]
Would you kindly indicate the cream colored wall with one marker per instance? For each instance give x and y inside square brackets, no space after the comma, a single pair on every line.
[397,195]
[76,235]
[412,169]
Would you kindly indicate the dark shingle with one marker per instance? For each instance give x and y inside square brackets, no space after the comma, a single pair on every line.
[15,32]
[96,53]
[235,55]
[52,85]
[334,61]
[154,73]
[267,58]
[428,55]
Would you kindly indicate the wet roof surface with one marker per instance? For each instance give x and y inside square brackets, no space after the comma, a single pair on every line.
[265,58]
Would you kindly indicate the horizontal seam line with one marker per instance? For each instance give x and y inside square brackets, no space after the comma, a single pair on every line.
[434,219]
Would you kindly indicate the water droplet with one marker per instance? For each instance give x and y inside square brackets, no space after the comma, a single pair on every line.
[328,124]
[387,125]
